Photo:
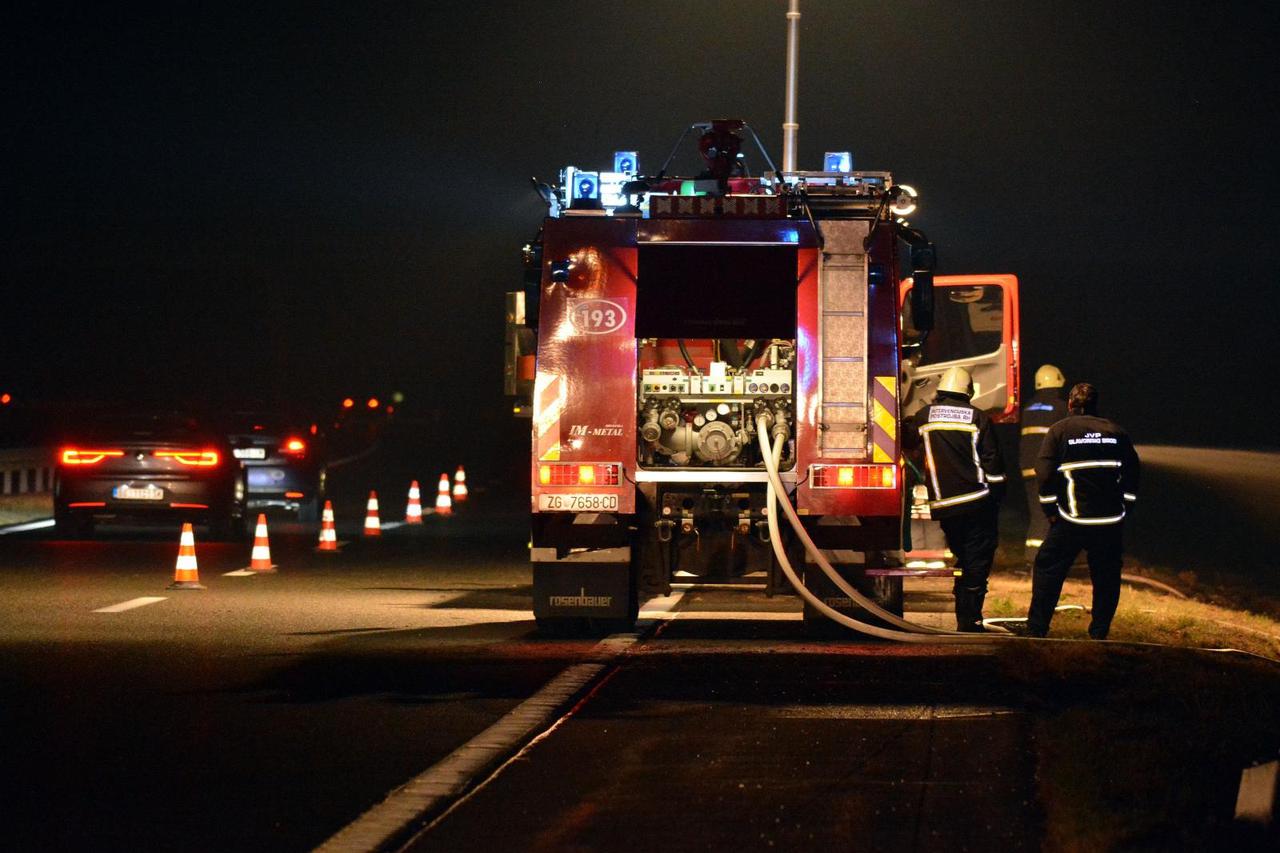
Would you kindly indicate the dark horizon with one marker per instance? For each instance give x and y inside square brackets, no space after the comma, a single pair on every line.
[313,203]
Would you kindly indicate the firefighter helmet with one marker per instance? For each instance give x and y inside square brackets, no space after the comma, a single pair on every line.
[957,381]
[1049,376]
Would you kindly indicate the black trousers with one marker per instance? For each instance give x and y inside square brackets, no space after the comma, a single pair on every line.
[1061,547]
[972,537]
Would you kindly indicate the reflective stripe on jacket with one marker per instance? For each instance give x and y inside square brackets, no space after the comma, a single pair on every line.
[1045,408]
[1087,471]
[961,456]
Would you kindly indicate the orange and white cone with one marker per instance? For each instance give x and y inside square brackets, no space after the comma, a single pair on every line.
[460,486]
[328,533]
[260,561]
[413,512]
[372,525]
[186,575]
[444,504]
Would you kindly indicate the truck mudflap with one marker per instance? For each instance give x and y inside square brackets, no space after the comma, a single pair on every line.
[865,573]
[590,584]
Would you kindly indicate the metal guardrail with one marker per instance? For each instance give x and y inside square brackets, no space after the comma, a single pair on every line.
[26,470]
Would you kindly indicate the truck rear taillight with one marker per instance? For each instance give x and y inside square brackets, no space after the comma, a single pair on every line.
[294,446]
[73,456]
[580,473]
[853,476]
[194,458]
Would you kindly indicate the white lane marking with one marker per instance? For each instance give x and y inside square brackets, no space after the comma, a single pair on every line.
[893,712]
[131,604]
[724,615]
[39,524]
[240,573]
[392,525]
[453,774]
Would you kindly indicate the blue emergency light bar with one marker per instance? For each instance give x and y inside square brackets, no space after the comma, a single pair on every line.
[586,185]
[837,161]
[626,162]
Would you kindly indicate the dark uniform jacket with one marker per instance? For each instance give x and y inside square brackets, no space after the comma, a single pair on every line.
[1045,408]
[961,456]
[1087,471]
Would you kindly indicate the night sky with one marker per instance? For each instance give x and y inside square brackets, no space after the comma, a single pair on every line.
[305,201]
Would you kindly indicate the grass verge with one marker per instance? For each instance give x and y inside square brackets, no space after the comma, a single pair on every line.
[1146,616]
[15,509]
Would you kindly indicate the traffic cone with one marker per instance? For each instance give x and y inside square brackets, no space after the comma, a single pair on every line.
[444,504]
[460,485]
[186,575]
[413,512]
[261,559]
[328,534]
[372,526]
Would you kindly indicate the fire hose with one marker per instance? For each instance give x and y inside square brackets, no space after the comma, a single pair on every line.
[908,632]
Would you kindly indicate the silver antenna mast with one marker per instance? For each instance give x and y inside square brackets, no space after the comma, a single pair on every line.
[789,125]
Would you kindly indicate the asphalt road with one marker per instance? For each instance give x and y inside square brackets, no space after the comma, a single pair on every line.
[269,712]
[259,714]
[266,712]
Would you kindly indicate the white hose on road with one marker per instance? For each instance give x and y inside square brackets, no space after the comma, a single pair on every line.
[776,494]
[772,456]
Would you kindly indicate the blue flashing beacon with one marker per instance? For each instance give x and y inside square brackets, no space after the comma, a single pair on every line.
[837,161]
[626,162]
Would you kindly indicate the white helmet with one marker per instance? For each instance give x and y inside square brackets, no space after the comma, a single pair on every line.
[956,380]
[1049,376]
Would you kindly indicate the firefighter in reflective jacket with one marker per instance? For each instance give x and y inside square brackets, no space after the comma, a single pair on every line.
[1087,473]
[1045,408]
[966,481]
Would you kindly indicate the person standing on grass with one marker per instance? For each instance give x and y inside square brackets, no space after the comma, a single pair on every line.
[966,482]
[1045,408]
[1087,476]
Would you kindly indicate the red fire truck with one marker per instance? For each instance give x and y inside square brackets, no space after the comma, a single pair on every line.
[666,321]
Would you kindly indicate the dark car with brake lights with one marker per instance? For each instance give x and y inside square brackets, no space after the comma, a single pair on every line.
[144,468]
[284,462]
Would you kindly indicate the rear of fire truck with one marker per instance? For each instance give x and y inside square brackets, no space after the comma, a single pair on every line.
[666,322]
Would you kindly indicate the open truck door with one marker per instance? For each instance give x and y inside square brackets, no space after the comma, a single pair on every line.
[975,326]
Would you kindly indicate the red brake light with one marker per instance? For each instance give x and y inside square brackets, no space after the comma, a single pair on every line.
[195,458]
[294,446]
[72,456]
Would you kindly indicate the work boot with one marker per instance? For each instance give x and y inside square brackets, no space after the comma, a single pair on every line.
[969,610]
[979,598]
